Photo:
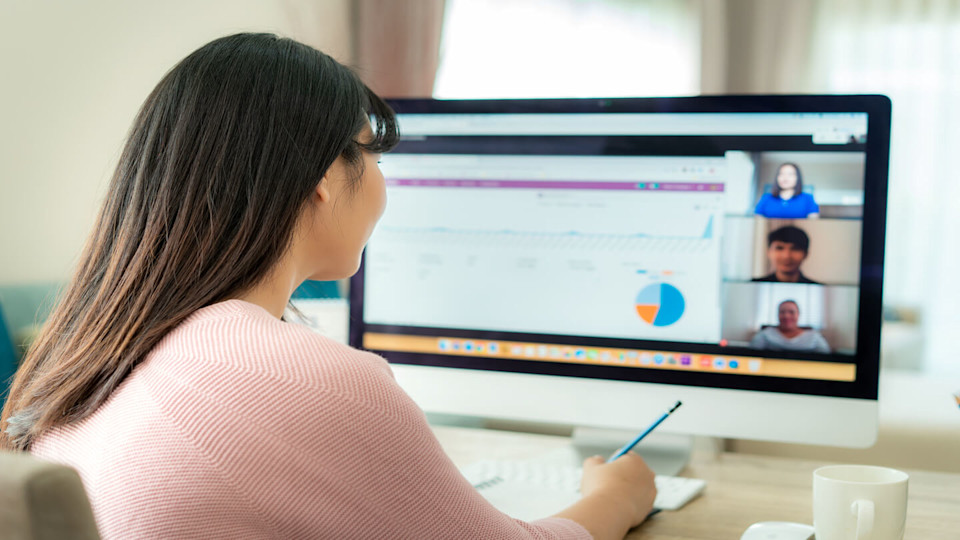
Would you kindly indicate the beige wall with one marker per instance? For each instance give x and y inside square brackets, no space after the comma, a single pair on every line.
[72,76]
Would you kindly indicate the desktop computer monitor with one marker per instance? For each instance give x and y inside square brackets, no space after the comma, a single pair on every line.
[592,261]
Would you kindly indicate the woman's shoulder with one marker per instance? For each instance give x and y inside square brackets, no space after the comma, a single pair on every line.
[233,342]
[806,200]
[765,205]
[270,379]
[765,199]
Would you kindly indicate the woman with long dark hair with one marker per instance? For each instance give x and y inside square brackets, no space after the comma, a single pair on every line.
[166,375]
[787,198]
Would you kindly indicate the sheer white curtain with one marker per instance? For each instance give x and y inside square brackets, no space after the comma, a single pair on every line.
[910,51]
[569,48]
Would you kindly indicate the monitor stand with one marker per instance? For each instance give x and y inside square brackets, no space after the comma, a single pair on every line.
[665,453]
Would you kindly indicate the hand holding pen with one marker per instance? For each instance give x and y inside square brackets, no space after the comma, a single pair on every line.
[629,446]
[629,479]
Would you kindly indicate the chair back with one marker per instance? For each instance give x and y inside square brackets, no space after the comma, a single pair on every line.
[317,289]
[8,359]
[42,501]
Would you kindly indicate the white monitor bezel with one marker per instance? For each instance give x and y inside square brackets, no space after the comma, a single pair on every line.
[630,406]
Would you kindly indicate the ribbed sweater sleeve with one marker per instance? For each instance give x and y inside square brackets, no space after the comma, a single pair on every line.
[241,426]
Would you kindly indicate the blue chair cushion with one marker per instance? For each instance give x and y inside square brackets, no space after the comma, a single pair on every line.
[8,358]
[317,289]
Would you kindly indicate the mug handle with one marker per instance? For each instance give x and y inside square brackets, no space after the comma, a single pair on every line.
[863,509]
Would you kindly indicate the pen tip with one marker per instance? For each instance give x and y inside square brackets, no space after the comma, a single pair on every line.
[675,407]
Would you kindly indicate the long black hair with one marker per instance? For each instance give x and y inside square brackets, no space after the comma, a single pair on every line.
[217,169]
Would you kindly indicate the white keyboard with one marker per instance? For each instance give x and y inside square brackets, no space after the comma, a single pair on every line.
[672,491]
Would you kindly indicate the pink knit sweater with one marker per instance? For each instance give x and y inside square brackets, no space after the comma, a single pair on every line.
[238,425]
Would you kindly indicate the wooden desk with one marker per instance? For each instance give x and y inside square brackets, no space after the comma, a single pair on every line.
[741,489]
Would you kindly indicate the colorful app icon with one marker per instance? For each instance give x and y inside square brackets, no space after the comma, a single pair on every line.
[706,361]
[529,350]
[754,365]
[645,359]
[658,359]
[632,354]
[719,363]
[444,344]
[542,351]
[671,360]
[493,348]
[455,346]
[516,350]
[592,354]
[685,360]
[733,364]
[480,347]
[554,352]
[605,355]
[468,346]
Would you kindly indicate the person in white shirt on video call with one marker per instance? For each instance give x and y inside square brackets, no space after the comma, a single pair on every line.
[788,336]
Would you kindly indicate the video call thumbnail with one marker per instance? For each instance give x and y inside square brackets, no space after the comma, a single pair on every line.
[790,317]
[811,251]
[808,185]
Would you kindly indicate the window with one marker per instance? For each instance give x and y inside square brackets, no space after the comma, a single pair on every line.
[908,51]
[568,48]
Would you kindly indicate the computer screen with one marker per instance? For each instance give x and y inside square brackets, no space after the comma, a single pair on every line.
[559,260]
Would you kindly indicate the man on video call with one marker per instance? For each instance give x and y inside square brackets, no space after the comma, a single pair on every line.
[787,248]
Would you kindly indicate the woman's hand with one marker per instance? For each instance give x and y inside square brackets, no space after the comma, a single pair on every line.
[616,496]
[627,479]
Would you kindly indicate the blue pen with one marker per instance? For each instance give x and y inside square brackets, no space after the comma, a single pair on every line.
[629,446]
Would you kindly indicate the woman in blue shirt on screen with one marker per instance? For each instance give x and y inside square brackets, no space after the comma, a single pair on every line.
[788,199]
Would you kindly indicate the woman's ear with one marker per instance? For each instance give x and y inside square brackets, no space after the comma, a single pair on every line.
[322,190]
[332,181]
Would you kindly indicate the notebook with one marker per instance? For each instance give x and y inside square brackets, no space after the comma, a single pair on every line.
[526,499]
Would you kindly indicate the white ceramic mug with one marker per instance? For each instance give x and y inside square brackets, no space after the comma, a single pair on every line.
[859,502]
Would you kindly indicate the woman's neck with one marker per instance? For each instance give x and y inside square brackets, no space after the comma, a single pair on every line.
[273,292]
[787,194]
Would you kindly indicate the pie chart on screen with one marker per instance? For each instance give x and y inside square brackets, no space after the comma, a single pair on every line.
[660,304]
